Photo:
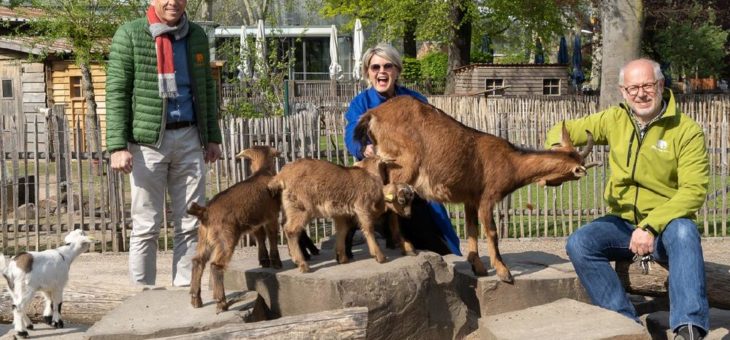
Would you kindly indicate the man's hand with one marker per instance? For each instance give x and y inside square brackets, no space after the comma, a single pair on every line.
[369,151]
[212,152]
[122,161]
[642,242]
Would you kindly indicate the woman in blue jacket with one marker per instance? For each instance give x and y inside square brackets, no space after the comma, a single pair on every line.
[429,227]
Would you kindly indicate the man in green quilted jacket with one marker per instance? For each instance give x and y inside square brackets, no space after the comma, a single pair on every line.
[162,128]
[659,176]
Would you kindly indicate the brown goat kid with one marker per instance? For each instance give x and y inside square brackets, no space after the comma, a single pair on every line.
[313,188]
[447,161]
[246,207]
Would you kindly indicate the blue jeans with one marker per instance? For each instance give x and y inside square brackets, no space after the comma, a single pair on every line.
[593,246]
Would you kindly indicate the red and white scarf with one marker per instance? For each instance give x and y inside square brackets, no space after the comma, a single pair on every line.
[163,46]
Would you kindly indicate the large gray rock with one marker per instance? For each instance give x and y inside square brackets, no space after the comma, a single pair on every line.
[563,319]
[658,325]
[539,278]
[159,313]
[408,297]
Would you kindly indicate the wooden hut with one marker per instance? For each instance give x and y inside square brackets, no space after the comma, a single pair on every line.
[512,79]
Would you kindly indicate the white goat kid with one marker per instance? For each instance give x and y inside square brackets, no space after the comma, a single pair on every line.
[45,271]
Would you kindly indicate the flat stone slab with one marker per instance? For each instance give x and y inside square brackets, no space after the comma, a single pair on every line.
[562,319]
[539,278]
[658,325]
[159,313]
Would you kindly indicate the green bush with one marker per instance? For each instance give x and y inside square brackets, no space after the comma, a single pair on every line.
[481,57]
[411,69]
[434,65]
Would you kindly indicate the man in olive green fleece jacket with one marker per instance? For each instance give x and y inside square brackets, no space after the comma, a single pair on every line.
[162,128]
[659,176]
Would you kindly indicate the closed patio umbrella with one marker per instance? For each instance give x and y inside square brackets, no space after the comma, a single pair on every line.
[563,51]
[578,76]
[244,69]
[358,40]
[260,63]
[335,68]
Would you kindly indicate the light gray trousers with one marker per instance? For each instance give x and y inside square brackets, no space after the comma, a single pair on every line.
[178,166]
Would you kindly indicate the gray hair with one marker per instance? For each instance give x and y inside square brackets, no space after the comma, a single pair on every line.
[385,51]
[658,75]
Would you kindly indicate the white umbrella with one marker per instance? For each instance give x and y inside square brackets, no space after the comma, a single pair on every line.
[335,68]
[357,42]
[244,69]
[260,63]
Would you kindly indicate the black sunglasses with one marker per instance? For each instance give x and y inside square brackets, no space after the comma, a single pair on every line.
[376,67]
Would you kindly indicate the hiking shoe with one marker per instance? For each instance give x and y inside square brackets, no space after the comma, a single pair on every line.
[688,333]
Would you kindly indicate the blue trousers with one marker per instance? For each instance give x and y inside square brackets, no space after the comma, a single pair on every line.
[593,246]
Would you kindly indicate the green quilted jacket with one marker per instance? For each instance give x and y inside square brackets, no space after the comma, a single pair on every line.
[654,179]
[134,109]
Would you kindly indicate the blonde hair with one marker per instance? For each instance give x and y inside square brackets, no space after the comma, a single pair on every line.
[385,51]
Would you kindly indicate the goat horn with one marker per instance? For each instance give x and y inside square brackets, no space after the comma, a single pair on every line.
[592,164]
[589,146]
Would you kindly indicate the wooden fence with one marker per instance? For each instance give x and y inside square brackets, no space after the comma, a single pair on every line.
[70,189]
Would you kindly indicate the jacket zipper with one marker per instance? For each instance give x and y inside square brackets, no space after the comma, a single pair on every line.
[633,168]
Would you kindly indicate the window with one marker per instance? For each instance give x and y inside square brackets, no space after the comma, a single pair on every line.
[7,88]
[551,87]
[495,84]
[75,83]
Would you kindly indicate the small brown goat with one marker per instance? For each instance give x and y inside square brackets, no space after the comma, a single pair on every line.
[313,188]
[447,161]
[247,206]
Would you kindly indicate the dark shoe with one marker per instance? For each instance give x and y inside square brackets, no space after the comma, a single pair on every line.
[688,333]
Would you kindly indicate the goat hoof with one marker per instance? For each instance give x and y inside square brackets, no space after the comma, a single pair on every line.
[196,302]
[221,307]
[505,276]
[276,264]
[58,324]
[304,267]
[477,266]
[265,263]
[381,259]
[48,320]
[342,259]
[30,327]
[22,335]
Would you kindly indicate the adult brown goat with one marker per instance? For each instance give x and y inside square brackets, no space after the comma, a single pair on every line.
[447,161]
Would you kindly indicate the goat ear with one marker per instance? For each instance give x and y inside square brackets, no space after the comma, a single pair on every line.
[565,141]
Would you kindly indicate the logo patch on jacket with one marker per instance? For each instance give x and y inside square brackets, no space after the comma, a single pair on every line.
[199,59]
[661,146]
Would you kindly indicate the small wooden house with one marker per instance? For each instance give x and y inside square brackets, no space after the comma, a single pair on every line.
[512,79]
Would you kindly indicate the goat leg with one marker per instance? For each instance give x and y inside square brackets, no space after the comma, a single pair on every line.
[57,301]
[219,295]
[264,260]
[272,232]
[293,229]
[368,230]
[405,245]
[199,262]
[485,212]
[342,231]
[472,246]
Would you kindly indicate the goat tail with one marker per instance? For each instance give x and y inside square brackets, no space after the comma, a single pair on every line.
[362,129]
[198,211]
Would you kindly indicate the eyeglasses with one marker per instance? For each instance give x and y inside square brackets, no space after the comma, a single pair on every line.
[377,67]
[648,88]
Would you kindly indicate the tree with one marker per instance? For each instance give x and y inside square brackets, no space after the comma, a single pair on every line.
[686,35]
[86,25]
[622,23]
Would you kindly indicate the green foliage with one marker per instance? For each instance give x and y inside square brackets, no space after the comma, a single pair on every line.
[692,46]
[434,65]
[411,69]
[481,57]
